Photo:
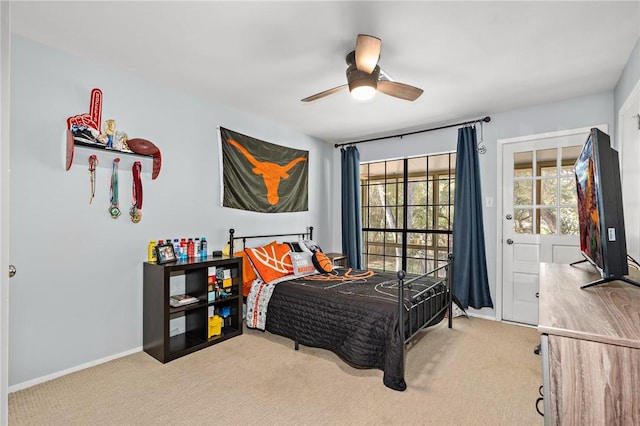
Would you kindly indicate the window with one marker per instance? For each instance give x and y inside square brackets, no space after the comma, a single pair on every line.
[544,192]
[407,213]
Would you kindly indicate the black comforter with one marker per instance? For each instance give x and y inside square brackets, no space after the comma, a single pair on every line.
[358,320]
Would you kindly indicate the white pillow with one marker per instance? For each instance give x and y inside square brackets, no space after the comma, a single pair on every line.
[302,264]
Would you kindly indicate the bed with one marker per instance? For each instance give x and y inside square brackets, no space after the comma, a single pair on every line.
[355,314]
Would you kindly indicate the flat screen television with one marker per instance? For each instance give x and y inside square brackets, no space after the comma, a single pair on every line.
[600,214]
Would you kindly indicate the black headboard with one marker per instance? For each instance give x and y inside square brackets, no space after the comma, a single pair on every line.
[308,233]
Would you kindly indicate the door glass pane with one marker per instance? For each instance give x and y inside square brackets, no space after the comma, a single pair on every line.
[523,221]
[568,192]
[547,219]
[547,162]
[523,164]
[548,192]
[569,156]
[569,221]
[523,193]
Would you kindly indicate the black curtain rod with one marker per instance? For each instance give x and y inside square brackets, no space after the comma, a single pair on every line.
[485,119]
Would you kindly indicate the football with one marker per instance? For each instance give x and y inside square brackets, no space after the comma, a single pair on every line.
[142,146]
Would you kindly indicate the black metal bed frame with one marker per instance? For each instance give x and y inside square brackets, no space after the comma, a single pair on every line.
[417,301]
[411,307]
[232,231]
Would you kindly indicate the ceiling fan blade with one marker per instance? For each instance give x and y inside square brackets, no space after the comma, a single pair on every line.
[367,52]
[323,94]
[399,90]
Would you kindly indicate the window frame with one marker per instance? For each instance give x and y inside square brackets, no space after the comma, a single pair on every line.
[404,236]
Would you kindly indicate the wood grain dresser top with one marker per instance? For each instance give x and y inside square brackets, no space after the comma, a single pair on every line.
[607,313]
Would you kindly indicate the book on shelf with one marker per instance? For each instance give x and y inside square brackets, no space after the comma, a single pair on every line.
[181,300]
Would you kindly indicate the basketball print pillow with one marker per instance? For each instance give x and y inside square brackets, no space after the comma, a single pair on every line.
[271,262]
[322,263]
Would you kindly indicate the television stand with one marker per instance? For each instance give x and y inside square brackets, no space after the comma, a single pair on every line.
[605,280]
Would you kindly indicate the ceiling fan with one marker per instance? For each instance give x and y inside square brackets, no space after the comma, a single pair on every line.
[364,76]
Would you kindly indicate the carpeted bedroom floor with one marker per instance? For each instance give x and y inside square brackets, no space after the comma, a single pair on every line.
[478,373]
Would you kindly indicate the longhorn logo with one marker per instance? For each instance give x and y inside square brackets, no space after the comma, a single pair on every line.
[271,173]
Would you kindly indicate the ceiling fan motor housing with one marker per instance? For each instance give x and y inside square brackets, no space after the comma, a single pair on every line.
[357,78]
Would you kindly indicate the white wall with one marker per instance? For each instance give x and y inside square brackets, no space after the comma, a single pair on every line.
[78,295]
[569,114]
[627,142]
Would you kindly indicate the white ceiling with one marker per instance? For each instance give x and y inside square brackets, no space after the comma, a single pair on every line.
[471,58]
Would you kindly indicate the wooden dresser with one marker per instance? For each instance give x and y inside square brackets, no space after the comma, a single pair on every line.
[590,347]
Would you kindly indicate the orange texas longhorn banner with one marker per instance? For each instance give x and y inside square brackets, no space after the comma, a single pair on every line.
[261,176]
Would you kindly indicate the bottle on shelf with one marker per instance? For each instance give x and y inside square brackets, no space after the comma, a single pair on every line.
[151,251]
[196,247]
[176,247]
[183,248]
[203,247]
[190,248]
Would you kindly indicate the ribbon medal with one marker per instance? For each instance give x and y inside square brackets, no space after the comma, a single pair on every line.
[114,210]
[93,162]
[136,194]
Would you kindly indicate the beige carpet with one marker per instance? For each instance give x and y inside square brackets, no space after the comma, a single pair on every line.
[479,373]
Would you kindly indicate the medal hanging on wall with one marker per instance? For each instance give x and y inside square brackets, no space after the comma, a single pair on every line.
[136,193]
[114,210]
[93,162]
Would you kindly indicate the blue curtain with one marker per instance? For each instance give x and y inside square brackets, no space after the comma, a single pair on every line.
[470,282]
[351,215]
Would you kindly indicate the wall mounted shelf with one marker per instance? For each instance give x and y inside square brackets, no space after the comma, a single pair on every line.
[106,157]
[79,153]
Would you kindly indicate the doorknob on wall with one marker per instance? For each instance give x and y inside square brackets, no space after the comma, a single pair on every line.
[509,241]
[12,271]
[509,217]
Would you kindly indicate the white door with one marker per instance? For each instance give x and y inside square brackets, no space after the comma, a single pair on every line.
[629,147]
[539,215]
[4,209]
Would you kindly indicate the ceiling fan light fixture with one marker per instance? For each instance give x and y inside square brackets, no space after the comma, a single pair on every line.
[362,92]
[362,85]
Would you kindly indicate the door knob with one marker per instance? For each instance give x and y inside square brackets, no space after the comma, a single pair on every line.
[509,241]
[12,271]
[509,217]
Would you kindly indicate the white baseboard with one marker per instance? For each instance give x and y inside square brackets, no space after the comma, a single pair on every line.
[52,376]
[478,315]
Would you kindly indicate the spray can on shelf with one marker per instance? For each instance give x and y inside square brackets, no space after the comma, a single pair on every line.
[151,251]
[203,247]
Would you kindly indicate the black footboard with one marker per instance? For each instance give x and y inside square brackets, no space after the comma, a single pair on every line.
[417,310]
